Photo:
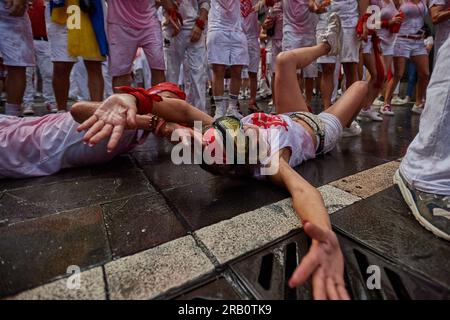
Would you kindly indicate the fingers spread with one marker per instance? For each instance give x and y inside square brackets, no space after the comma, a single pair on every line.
[98,126]
[87,124]
[319,291]
[308,265]
[332,292]
[315,232]
[115,138]
[343,294]
[103,134]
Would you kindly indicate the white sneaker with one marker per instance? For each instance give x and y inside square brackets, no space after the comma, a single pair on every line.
[220,112]
[353,131]
[52,108]
[387,110]
[378,103]
[417,109]
[370,115]
[396,101]
[234,112]
[333,34]
[28,110]
[270,103]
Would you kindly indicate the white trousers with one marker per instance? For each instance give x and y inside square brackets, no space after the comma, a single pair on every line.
[181,50]
[45,66]
[426,165]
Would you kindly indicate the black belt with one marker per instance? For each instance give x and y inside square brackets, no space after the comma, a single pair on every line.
[40,38]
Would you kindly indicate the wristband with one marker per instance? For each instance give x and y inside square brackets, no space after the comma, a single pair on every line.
[158,128]
[200,23]
[144,100]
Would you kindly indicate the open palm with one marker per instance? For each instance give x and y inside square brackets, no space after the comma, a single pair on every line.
[112,117]
[324,263]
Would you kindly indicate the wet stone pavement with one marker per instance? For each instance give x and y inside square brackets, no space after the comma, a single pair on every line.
[141,227]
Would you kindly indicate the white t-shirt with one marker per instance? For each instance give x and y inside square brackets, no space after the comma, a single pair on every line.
[190,10]
[297,18]
[348,11]
[250,23]
[414,17]
[443,28]
[40,146]
[225,15]
[280,132]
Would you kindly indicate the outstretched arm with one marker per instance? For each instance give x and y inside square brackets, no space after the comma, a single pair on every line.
[324,261]
[119,111]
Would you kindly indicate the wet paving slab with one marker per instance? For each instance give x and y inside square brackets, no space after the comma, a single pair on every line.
[139,223]
[37,251]
[384,224]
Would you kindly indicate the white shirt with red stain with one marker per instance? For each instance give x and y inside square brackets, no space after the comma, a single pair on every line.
[279,132]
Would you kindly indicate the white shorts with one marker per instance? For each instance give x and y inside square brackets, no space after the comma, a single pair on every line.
[292,41]
[254,54]
[333,131]
[124,42]
[409,47]
[386,45]
[277,47]
[350,48]
[16,39]
[228,48]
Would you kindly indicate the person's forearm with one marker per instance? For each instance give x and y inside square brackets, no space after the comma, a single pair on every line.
[363,5]
[306,200]
[439,15]
[167,4]
[179,111]
[203,14]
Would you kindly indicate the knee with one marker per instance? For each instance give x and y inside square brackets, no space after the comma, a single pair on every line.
[282,61]
[424,75]
[362,87]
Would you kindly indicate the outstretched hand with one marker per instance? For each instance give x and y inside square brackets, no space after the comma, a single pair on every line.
[110,120]
[324,263]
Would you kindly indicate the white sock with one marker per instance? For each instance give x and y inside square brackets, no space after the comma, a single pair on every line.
[233,101]
[12,109]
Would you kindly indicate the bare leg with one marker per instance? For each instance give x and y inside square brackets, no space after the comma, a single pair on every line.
[158,76]
[96,82]
[423,76]
[236,80]
[351,73]
[349,105]
[15,84]
[217,81]
[309,87]
[61,82]
[288,97]
[327,84]
[369,62]
[253,87]
[399,69]
[122,81]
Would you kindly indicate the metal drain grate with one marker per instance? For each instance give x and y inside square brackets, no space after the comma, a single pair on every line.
[266,273]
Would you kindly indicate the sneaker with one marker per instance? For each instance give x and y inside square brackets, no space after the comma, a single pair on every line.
[52,108]
[369,115]
[387,110]
[417,109]
[270,103]
[379,102]
[333,34]
[234,112]
[28,110]
[396,101]
[353,131]
[220,112]
[431,210]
